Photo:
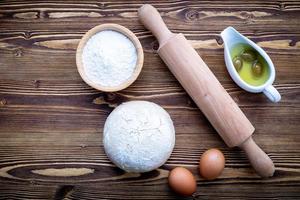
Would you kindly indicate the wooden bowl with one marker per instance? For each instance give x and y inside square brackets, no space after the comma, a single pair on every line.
[130,35]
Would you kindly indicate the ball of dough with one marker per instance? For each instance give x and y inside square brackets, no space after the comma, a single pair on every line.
[139,136]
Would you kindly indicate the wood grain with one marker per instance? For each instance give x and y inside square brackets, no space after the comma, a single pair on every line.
[51,122]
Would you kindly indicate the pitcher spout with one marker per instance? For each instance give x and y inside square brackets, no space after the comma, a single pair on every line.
[226,33]
[231,36]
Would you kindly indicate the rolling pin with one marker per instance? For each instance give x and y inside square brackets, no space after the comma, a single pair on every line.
[206,91]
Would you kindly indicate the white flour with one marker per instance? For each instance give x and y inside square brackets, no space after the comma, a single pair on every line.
[109,58]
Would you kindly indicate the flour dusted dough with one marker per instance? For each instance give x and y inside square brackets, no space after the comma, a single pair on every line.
[139,136]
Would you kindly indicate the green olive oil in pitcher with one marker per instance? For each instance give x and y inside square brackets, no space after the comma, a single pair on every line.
[249,64]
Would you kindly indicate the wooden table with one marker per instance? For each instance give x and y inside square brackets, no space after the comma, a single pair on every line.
[51,122]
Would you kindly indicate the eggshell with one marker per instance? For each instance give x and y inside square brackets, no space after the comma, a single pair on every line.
[211,164]
[182,181]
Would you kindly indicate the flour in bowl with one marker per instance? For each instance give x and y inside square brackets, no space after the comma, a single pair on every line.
[109,58]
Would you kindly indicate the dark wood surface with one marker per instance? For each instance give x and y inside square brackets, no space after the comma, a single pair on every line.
[51,122]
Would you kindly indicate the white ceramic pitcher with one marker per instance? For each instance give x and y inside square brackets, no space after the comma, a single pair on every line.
[230,38]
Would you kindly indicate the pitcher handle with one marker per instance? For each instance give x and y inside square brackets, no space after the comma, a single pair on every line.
[272,93]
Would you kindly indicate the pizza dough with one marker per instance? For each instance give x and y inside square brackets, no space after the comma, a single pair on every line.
[139,136]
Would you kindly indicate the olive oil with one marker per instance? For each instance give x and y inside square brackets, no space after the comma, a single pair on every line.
[250,65]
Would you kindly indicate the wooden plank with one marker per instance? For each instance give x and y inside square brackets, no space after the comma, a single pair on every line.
[144,192]
[30,63]
[259,14]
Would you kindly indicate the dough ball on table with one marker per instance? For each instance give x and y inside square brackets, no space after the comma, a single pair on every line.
[139,136]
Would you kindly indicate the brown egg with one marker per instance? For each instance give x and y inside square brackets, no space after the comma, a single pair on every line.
[182,181]
[211,164]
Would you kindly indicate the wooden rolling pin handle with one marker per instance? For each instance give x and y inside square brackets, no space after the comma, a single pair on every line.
[152,20]
[260,161]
